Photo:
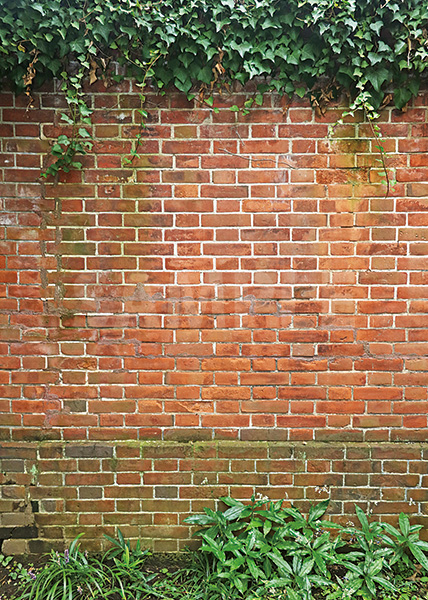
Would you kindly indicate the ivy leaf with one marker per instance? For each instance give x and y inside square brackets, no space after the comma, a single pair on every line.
[39,7]
[377,26]
[308,52]
[83,132]
[186,59]
[378,77]
[400,47]
[374,58]
[67,119]
[57,150]
[401,97]
[183,86]
[102,31]
[414,85]
[382,47]
[269,23]
[350,23]
[84,110]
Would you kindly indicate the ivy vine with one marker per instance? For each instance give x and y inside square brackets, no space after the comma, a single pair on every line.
[375,50]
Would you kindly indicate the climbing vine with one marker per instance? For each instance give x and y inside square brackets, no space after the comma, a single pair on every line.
[375,50]
[66,147]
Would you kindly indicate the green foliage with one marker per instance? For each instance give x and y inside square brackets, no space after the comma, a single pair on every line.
[406,547]
[66,147]
[367,562]
[367,47]
[254,549]
[129,579]
[68,576]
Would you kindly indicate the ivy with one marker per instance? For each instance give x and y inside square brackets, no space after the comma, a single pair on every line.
[79,141]
[369,48]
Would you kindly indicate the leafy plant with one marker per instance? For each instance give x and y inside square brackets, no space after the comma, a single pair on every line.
[129,579]
[368,538]
[78,141]
[70,575]
[298,579]
[406,547]
[257,549]
[364,575]
[253,548]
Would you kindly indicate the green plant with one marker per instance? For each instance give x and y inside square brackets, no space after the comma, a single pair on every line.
[255,547]
[381,552]
[368,538]
[367,562]
[298,579]
[264,549]
[364,576]
[128,577]
[406,547]
[260,551]
[67,576]
[78,141]
[148,72]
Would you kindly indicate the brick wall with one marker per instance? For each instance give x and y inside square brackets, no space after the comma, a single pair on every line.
[54,490]
[244,280]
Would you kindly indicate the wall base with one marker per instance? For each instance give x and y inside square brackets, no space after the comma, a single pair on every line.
[53,491]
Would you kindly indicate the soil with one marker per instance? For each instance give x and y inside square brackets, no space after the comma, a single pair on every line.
[166,560]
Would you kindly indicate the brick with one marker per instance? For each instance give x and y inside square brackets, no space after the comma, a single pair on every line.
[89,451]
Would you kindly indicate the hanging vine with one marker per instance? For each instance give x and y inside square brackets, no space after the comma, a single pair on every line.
[373,49]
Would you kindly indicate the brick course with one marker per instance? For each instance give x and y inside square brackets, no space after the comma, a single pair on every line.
[244,279]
